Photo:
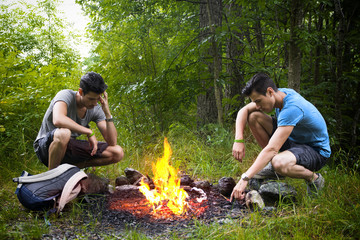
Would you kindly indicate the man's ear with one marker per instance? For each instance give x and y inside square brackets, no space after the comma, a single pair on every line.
[270,90]
[81,92]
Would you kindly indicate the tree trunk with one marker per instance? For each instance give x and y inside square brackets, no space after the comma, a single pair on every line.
[296,18]
[338,71]
[209,105]
[234,51]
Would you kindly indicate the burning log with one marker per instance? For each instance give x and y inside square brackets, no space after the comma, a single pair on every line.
[126,188]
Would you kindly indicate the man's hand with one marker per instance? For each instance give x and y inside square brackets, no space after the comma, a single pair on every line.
[105,103]
[93,144]
[239,151]
[239,190]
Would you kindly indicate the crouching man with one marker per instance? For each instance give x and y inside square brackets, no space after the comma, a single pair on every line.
[68,117]
[294,144]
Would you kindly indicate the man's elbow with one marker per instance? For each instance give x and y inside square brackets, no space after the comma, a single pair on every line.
[57,123]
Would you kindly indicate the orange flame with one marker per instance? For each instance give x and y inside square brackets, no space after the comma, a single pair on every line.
[167,185]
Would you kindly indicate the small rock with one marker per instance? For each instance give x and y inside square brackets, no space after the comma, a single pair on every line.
[226,186]
[253,198]
[132,175]
[122,180]
[205,185]
[186,180]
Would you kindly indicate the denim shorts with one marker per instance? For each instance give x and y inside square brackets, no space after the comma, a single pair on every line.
[305,155]
[77,150]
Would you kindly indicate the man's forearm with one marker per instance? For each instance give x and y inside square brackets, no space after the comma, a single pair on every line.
[66,122]
[111,134]
[241,120]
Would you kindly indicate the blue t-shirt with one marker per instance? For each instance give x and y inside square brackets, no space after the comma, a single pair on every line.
[309,125]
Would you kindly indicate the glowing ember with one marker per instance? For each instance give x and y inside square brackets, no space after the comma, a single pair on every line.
[167,192]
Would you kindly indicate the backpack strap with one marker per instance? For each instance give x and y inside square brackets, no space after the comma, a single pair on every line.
[23,174]
[45,175]
[71,189]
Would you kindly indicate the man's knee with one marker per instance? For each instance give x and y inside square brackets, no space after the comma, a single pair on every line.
[62,136]
[278,163]
[283,162]
[254,117]
[118,153]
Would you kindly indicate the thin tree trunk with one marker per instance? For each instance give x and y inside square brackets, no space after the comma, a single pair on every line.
[209,101]
[296,18]
[215,21]
[236,82]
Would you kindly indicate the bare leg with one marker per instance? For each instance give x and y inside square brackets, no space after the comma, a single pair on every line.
[58,146]
[284,163]
[111,155]
[261,127]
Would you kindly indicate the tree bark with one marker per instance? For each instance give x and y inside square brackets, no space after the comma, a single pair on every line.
[296,17]
[234,50]
[209,105]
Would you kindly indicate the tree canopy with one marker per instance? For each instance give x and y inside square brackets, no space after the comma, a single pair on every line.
[184,61]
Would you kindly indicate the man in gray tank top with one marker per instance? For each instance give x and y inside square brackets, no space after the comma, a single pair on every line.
[68,117]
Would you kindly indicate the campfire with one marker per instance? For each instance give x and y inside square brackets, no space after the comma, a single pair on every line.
[167,195]
[163,197]
[171,200]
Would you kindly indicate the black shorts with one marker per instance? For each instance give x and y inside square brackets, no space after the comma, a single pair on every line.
[77,150]
[305,155]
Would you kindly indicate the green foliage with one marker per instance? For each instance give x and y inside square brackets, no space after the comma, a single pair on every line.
[36,62]
[152,53]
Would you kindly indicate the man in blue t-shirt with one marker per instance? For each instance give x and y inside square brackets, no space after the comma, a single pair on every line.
[294,144]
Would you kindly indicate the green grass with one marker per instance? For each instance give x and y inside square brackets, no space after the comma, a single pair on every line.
[206,155]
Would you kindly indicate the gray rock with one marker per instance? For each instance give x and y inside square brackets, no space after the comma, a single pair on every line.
[253,199]
[122,180]
[273,191]
[132,175]
[254,184]
[226,185]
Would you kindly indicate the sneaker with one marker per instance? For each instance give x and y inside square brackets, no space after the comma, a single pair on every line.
[313,188]
[268,172]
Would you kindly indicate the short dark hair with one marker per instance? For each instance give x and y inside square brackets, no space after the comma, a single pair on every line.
[92,82]
[259,83]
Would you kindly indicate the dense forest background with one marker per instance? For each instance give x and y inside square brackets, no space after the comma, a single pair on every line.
[182,64]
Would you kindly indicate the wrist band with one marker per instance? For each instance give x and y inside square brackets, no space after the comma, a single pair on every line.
[91,134]
[239,140]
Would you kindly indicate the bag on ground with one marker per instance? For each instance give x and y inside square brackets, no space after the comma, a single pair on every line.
[51,189]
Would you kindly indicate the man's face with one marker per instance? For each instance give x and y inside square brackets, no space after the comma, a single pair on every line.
[90,100]
[264,103]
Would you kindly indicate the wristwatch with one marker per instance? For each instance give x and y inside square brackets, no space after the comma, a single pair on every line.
[245,177]
[109,119]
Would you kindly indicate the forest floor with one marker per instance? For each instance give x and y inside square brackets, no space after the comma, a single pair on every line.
[334,214]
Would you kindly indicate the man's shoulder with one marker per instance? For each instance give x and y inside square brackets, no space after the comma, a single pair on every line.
[65,95]
[66,92]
